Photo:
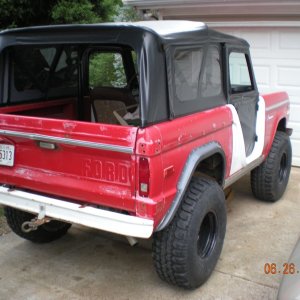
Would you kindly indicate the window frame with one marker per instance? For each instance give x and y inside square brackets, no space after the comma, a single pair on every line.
[108,49]
[245,52]
[181,108]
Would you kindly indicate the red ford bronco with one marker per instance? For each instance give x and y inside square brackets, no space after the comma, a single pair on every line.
[136,129]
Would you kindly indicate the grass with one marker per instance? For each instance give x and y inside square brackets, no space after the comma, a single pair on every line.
[1,211]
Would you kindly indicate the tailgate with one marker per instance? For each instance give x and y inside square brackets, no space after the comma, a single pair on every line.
[88,162]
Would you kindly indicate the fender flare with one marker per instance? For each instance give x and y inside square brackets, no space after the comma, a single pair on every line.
[195,157]
[276,127]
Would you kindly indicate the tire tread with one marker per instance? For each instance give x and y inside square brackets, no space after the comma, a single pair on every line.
[169,245]
[263,178]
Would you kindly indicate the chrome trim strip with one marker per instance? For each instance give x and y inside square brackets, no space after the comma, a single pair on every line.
[66,141]
[276,105]
[75,213]
[239,174]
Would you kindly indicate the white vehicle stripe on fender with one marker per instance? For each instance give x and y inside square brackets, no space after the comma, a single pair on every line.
[260,131]
[239,159]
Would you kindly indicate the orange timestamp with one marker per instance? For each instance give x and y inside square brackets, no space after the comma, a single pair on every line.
[285,269]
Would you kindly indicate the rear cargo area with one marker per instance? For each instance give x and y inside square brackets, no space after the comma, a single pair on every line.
[69,117]
[85,161]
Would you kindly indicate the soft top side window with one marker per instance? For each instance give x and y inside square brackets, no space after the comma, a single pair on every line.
[211,80]
[187,67]
[239,73]
[196,82]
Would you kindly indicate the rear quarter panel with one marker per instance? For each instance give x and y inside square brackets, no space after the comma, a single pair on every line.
[168,146]
[277,109]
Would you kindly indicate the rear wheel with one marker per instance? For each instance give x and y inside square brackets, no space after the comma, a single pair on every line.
[186,252]
[45,233]
[269,180]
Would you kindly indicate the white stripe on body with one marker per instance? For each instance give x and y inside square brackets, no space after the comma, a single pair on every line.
[239,159]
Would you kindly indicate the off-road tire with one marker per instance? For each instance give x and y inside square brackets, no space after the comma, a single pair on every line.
[269,180]
[45,233]
[187,250]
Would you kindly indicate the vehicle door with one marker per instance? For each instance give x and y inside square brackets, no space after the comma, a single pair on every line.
[243,94]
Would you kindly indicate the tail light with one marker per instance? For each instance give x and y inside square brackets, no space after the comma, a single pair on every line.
[144,177]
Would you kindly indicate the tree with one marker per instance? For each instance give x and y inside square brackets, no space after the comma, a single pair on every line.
[67,11]
[104,69]
[22,13]
[106,9]
[125,14]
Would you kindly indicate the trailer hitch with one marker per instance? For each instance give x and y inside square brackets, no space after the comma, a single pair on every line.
[39,220]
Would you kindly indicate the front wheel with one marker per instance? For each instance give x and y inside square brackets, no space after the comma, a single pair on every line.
[185,253]
[269,180]
[45,233]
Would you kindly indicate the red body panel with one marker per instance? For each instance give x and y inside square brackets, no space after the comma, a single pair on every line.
[108,178]
[95,176]
[56,109]
[274,116]
[168,146]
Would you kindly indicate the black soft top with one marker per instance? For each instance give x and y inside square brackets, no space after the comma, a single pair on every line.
[150,39]
[167,32]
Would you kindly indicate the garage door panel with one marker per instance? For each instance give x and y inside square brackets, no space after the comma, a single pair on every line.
[277,54]
[262,40]
[286,55]
[296,130]
[277,62]
[288,76]
[296,151]
[262,75]
[294,98]
[260,53]
[288,39]
[296,161]
[294,113]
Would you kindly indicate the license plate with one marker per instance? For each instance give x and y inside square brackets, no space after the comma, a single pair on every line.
[7,154]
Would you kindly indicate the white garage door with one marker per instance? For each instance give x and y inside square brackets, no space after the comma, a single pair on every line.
[275,54]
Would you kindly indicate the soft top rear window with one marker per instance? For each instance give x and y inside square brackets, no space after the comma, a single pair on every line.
[43,72]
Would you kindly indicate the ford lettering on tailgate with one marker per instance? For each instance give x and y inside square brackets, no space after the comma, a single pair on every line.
[107,170]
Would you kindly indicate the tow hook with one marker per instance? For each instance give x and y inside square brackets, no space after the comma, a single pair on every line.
[32,225]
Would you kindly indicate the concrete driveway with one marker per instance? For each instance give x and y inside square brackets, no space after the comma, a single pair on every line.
[85,264]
